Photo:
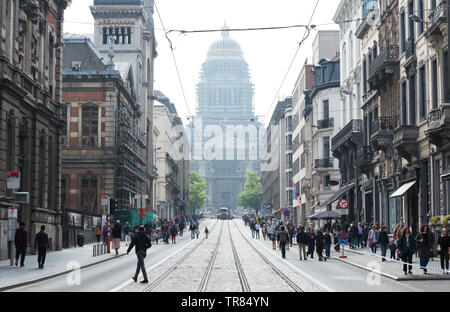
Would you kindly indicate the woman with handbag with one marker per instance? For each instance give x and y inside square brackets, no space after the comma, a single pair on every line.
[443,248]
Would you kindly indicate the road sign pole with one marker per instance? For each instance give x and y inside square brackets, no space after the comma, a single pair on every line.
[343,256]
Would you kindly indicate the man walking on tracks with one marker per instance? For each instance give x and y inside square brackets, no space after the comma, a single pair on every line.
[283,238]
[41,244]
[142,243]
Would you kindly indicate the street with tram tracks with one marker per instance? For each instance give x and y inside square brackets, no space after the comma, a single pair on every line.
[229,260]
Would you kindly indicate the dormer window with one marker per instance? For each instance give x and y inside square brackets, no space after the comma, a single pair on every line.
[76,66]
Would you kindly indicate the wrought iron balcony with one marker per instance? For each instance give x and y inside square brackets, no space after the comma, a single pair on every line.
[439,125]
[436,18]
[351,133]
[405,141]
[323,163]
[364,156]
[325,123]
[383,66]
[381,132]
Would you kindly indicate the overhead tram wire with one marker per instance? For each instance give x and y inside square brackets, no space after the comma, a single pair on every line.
[305,36]
[174,61]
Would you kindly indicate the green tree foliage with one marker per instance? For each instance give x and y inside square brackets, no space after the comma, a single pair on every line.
[250,198]
[197,191]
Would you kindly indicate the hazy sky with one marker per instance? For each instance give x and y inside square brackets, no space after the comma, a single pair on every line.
[268,53]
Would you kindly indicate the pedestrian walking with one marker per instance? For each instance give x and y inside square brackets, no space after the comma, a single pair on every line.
[406,247]
[116,236]
[372,240]
[257,228]
[384,242]
[41,244]
[354,234]
[165,232]
[181,227]
[20,241]
[273,238]
[206,232]
[291,233]
[302,240]
[320,243]
[127,233]
[392,247]
[443,249]
[311,242]
[365,235]
[360,234]
[142,242]
[327,238]
[105,234]
[192,229]
[264,231]
[253,228]
[98,232]
[283,238]
[148,229]
[425,243]
[173,233]
[156,236]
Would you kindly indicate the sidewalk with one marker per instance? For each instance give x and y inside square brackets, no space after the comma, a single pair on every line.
[364,259]
[56,263]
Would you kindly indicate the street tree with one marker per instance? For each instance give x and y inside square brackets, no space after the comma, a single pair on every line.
[197,191]
[250,198]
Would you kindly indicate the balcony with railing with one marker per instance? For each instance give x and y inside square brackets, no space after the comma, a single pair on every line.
[381,132]
[324,163]
[439,125]
[171,180]
[351,134]
[410,51]
[367,7]
[326,75]
[383,66]
[405,141]
[436,18]
[325,123]
[364,156]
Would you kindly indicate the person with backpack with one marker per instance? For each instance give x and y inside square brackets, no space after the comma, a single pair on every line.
[283,238]
[142,242]
[273,237]
[41,244]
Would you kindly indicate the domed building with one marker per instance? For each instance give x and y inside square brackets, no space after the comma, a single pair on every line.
[224,140]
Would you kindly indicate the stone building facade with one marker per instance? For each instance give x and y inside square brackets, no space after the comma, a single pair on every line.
[130,24]
[30,106]
[103,152]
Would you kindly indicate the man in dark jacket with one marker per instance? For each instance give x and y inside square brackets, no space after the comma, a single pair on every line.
[165,232]
[354,233]
[142,243]
[148,229]
[320,242]
[302,240]
[283,238]
[41,244]
[20,241]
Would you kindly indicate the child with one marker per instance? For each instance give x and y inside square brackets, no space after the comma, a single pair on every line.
[392,247]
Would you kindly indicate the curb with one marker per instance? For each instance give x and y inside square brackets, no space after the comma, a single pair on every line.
[415,277]
[50,276]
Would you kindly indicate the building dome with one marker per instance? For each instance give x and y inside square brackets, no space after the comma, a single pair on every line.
[226,46]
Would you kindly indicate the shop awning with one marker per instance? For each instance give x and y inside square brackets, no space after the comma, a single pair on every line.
[324,215]
[403,189]
[336,196]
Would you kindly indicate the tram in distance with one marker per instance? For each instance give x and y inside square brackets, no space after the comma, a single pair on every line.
[224,214]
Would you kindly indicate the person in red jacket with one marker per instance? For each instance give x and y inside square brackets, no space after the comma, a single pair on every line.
[20,241]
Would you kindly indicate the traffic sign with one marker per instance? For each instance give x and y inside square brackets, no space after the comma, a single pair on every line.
[343,203]
[342,238]
[286,213]
[13,181]
[12,213]
[104,200]
[141,212]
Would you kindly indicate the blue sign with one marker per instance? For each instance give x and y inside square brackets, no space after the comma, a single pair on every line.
[342,238]
[286,213]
